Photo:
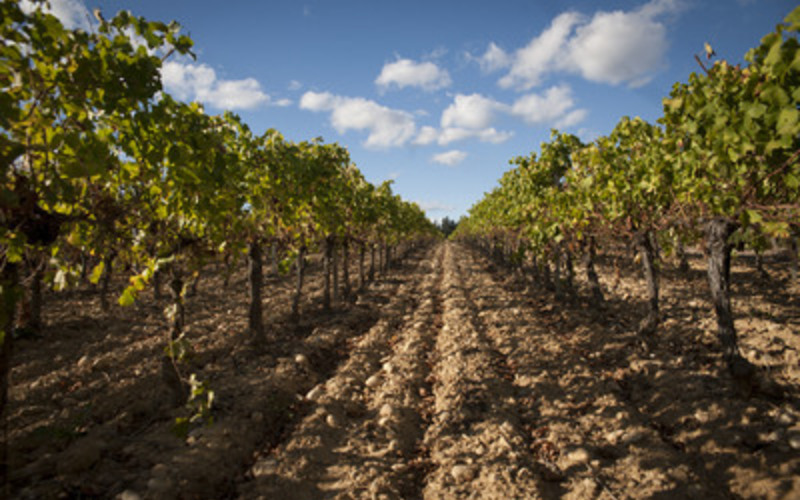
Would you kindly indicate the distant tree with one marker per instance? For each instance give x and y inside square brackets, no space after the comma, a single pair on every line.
[447,226]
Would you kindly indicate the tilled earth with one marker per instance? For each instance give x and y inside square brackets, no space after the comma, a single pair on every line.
[450,379]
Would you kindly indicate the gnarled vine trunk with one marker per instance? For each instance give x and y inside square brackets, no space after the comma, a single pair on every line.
[327,260]
[683,261]
[170,374]
[105,282]
[361,271]
[372,262]
[346,268]
[9,280]
[256,278]
[301,269]
[589,257]
[335,265]
[718,232]
[644,244]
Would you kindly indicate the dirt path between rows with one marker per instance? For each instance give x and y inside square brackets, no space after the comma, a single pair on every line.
[472,389]
[450,378]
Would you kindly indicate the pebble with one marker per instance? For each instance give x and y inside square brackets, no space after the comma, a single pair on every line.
[794,441]
[83,361]
[264,467]
[632,437]
[614,436]
[128,495]
[301,359]
[331,420]
[159,484]
[769,437]
[373,381]
[462,473]
[314,393]
[386,410]
[785,418]
[701,416]
[159,470]
[575,457]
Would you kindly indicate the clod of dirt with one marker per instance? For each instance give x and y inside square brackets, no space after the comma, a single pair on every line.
[577,456]
[462,473]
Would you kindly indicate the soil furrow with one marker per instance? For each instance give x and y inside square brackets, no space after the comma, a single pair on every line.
[476,444]
[599,443]
[337,445]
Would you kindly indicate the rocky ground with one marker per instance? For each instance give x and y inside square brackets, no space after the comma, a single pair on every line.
[450,378]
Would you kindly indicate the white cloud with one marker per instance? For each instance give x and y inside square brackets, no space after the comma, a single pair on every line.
[449,158]
[468,117]
[435,206]
[199,82]
[470,111]
[572,118]
[617,47]
[542,54]
[610,47]
[73,14]
[548,107]
[387,127]
[408,73]
[429,135]
[493,59]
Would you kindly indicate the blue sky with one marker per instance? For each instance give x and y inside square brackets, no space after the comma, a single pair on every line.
[439,95]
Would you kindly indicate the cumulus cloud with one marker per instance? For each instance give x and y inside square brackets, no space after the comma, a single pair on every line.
[572,118]
[429,135]
[468,117]
[617,47]
[471,111]
[552,106]
[471,116]
[200,82]
[387,127]
[449,158]
[407,73]
[73,14]
[542,55]
[493,59]
[609,47]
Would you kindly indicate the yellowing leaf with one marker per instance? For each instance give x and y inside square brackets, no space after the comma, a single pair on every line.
[97,272]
